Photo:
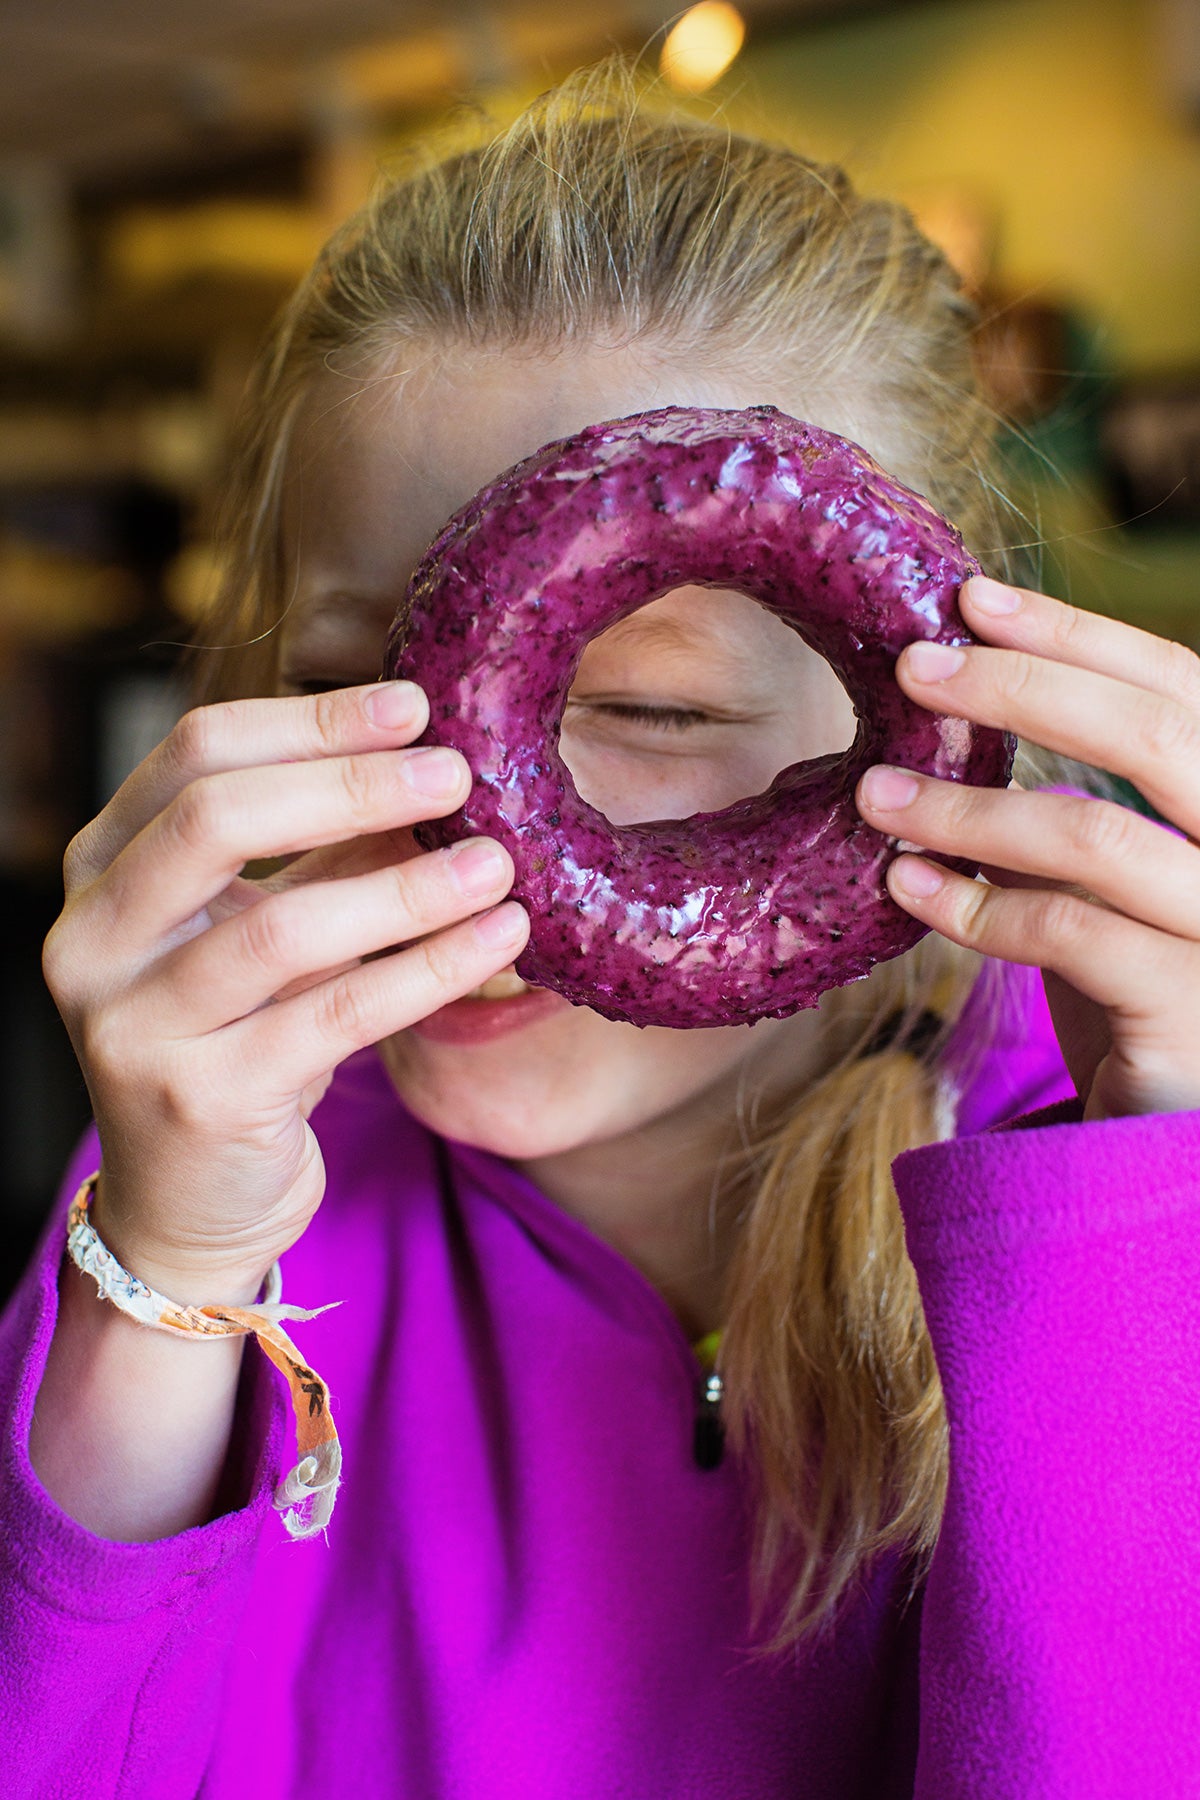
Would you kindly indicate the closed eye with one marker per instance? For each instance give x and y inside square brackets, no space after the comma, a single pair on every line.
[661,718]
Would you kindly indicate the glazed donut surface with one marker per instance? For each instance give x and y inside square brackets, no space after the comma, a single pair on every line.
[725,917]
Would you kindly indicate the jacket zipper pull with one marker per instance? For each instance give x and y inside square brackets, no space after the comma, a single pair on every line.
[708,1430]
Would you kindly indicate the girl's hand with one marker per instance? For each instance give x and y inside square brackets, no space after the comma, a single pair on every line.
[1104,900]
[208,1011]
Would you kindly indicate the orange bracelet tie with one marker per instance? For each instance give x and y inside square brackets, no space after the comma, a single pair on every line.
[307,1492]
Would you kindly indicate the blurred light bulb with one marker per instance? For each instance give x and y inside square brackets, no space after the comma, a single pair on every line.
[701,45]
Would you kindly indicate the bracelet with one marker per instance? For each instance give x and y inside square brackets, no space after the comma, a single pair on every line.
[306,1494]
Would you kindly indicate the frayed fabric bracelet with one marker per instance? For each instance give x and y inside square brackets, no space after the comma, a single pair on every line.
[306,1494]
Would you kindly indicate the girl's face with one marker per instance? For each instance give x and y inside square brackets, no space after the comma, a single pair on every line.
[693,702]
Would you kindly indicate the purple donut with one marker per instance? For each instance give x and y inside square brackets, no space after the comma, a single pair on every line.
[727,917]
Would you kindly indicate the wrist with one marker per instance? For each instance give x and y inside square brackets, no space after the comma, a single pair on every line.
[200,1280]
[306,1495]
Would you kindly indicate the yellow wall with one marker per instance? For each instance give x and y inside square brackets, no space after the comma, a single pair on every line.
[1056,112]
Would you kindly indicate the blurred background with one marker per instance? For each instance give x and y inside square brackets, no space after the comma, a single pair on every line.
[167,172]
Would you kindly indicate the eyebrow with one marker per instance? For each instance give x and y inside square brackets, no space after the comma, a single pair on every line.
[650,633]
[327,619]
[654,629]
[334,603]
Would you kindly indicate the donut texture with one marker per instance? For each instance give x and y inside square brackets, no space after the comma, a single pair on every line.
[725,917]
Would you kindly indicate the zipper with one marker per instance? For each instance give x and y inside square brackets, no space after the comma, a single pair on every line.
[708,1427]
[520,1197]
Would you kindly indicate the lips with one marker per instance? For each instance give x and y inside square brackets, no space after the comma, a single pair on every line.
[504,1003]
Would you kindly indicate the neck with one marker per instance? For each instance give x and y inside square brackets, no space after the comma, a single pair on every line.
[662,1196]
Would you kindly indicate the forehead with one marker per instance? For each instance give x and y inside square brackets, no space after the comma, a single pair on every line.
[378,464]
[380,460]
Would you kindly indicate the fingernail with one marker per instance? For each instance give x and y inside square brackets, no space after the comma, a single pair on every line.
[392,704]
[989,596]
[501,926]
[889,789]
[434,772]
[913,876]
[933,662]
[476,865]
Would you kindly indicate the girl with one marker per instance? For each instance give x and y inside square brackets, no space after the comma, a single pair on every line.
[544,1578]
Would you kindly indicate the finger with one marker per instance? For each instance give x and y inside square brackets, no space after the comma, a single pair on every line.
[1119,856]
[355,856]
[1047,627]
[1122,966]
[302,932]
[189,852]
[300,1039]
[238,734]
[1151,740]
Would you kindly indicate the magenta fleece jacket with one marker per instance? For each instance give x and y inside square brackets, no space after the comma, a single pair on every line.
[530,1591]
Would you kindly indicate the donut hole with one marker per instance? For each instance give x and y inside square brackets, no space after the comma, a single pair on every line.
[695,701]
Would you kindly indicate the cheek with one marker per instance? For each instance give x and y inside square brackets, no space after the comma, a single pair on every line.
[630,784]
[630,787]
[820,720]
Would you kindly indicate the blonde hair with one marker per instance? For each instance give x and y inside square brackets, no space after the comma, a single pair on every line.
[592,216]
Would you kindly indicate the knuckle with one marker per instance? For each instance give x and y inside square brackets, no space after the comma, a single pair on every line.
[345,1014]
[1055,917]
[364,789]
[329,718]
[1167,733]
[106,1044]
[960,807]
[975,910]
[1067,628]
[1024,678]
[193,742]
[1181,670]
[274,935]
[405,906]
[446,957]
[60,964]
[198,814]
[187,1105]
[1101,832]
[79,860]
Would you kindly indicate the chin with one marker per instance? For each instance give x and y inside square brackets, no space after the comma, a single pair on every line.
[565,1084]
[519,1132]
[517,1113]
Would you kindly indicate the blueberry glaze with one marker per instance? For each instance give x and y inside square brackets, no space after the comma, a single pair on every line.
[727,917]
